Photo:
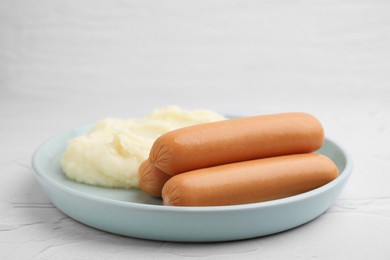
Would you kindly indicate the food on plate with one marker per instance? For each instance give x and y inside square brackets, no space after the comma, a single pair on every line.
[152,179]
[249,181]
[235,140]
[111,152]
[198,158]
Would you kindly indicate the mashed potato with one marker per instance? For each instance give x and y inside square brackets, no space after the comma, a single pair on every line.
[110,154]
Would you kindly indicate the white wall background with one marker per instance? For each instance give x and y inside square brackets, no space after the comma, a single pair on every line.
[246,53]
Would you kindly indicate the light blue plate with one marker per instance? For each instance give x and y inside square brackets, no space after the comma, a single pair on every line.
[135,214]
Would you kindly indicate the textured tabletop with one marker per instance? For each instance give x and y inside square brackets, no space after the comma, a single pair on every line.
[64,64]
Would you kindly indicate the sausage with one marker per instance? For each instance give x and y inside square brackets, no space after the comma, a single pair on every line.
[234,140]
[249,181]
[151,179]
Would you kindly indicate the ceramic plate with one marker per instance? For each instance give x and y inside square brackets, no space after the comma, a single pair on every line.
[133,213]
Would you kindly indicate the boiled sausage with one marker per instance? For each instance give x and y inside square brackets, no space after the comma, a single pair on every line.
[249,181]
[235,140]
[151,179]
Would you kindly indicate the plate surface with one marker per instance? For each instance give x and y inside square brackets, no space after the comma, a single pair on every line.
[133,213]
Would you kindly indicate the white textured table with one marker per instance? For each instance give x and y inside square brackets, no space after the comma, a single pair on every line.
[66,64]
